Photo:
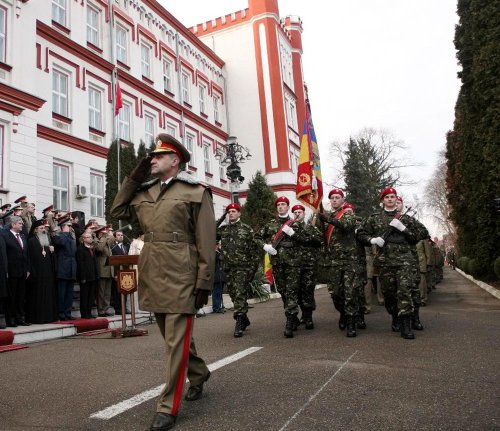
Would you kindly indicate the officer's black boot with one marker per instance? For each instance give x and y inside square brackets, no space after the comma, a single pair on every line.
[396,323]
[246,322]
[308,320]
[406,331]
[289,326]
[415,321]
[239,326]
[351,326]
[360,320]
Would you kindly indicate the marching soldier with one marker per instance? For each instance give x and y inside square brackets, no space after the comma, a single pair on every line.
[394,234]
[341,246]
[308,238]
[276,240]
[239,260]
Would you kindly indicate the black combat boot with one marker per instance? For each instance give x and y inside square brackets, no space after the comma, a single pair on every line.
[415,321]
[296,322]
[396,323]
[342,321]
[360,320]
[289,326]
[246,322]
[351,326]
[308,320]
[406,331]
[239,326]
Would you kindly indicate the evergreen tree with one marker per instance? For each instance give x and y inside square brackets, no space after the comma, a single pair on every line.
[259,207]
[367,171]
[473,158]
[127,163]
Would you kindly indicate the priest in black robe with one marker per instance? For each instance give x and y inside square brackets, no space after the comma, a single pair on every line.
[41,294]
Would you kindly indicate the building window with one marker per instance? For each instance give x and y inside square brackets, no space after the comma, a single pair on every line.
[2,130]
[171,130]
[202,94]
[293,116]
[206,158]
[167,76]
[222,171]
[93,25]
[60,186]
[294,160]
[190,146]
[146,60]
[59,12]
[216,109]
[60,93]
[186,87]
[3,35]
[121,44]
[96,195]
[149,130]
[95,108]
[124,123]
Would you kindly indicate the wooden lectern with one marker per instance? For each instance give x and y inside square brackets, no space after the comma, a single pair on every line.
[126,281]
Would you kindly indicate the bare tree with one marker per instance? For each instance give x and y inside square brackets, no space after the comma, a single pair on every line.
[435,198]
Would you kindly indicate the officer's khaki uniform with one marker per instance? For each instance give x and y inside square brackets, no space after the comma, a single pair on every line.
[178,257]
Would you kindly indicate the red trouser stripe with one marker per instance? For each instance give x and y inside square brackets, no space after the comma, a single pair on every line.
[182,371]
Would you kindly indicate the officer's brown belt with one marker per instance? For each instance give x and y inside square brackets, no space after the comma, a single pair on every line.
[168,237]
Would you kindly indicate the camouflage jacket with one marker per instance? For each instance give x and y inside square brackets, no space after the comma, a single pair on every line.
[341,248]
[308,240]
[238,247]
[288,247]
[399,247]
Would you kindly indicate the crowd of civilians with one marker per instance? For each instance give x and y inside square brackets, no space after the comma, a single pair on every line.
[41,259]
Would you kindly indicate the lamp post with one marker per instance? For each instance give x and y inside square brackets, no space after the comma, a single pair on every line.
[233,156]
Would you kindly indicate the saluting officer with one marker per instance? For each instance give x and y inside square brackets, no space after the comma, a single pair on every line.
[239,260]
[176,264]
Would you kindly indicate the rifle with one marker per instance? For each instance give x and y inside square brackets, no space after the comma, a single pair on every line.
[390,230]
[221,219]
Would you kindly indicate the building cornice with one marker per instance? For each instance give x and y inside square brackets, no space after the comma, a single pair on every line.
[20,98]
[55,37]
[67,140]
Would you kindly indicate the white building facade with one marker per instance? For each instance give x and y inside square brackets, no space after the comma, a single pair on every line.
[57,118]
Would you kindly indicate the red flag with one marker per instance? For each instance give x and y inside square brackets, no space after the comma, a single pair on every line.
[309,183]
[118,100]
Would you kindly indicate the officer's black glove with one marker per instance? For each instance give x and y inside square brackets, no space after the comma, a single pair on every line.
[141,171]
[323,217]
[201,298]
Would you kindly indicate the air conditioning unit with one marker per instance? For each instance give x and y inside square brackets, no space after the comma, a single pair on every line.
[80,192]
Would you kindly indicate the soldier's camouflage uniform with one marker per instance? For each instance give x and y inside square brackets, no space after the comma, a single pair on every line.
[360,272]
[342,253]
[422,233]
[287,262]
[240,260]
[309,242]
[396,261]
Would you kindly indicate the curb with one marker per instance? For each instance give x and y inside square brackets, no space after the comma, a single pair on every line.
[490,289]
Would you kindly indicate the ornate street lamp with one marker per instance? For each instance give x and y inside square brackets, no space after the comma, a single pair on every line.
[232,157]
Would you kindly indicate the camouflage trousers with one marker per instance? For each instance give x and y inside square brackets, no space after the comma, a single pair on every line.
[398,285]
[307,284]
[237,287]
[360,281]
[343,290]
[287,281]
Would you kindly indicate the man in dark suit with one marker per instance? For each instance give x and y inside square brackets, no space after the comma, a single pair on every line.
[88,276]
[119,248]
[18,266]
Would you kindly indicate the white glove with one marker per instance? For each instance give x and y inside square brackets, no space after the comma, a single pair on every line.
[268,248]
[378,241]
[397,224]
[288,230]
